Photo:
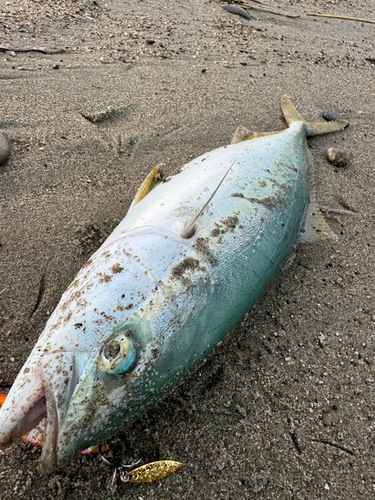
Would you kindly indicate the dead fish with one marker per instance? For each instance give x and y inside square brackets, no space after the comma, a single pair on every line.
[191,257]
[233,9]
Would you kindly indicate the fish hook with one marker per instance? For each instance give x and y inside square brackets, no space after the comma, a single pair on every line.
[105,460]
[114,477]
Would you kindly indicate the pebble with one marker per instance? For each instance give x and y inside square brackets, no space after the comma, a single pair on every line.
[339,157]
[331,116]
[4,148]
[327,420]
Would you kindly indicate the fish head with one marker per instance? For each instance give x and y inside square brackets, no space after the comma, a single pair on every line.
[121,337]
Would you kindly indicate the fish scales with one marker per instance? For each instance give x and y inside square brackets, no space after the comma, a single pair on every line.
[150,305]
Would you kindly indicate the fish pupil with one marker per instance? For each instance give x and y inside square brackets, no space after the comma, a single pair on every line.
[112,350]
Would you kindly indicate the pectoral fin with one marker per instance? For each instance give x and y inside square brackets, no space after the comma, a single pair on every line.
[189,229]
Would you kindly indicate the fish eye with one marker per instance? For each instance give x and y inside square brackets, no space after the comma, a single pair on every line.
[112,350]
[118,355]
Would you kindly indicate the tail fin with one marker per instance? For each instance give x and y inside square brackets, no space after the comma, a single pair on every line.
[312,128]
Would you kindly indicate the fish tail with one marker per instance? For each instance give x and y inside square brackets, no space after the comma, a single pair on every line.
[312,128]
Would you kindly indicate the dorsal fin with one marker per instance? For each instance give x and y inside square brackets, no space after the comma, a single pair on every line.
[189,230]
[241,134]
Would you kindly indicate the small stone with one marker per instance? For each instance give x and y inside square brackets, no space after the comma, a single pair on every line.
[339,157]
[327,419]
[4,147]
[331,116]
[56,66]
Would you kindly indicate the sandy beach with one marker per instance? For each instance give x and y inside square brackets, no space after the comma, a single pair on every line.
[285,408]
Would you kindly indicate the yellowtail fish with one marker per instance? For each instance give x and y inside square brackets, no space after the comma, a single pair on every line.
[190,258]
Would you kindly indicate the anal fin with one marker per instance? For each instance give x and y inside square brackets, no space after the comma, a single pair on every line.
[316,227]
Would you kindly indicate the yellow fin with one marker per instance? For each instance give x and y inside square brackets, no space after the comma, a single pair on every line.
[290,111]
[255,135]
[146,186]
[319,128]
[244,134]
[316,227]
[312,128]
[241,134]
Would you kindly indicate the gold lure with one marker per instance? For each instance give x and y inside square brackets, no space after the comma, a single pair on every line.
[150,472]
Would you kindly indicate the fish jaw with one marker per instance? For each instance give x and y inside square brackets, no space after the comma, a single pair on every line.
[24,406]
[100,406]
[41,391]
[84,420]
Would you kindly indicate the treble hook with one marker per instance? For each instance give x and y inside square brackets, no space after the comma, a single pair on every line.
[102,457]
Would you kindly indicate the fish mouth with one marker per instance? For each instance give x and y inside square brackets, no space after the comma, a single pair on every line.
[41,392]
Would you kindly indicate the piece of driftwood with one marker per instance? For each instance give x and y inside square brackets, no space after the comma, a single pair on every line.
[43,50]
[347,18]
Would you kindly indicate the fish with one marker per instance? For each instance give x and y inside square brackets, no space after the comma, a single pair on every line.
[193,254]
[233,9]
